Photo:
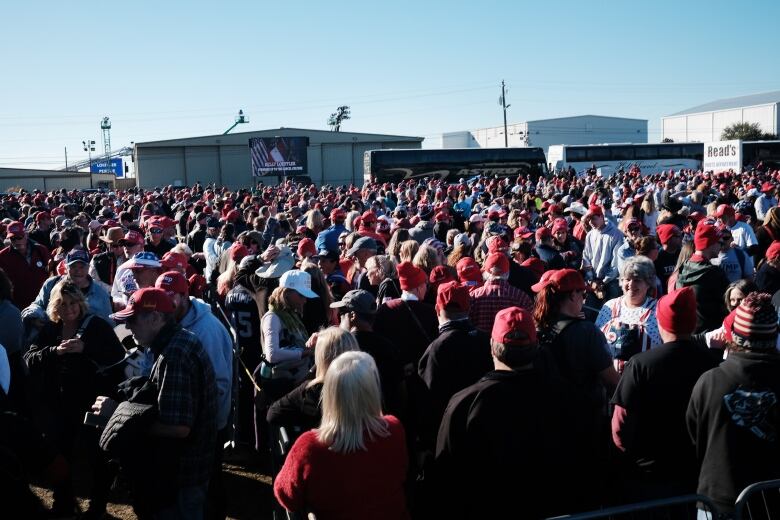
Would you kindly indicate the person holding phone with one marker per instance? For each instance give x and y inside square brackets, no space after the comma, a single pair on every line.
[66,365]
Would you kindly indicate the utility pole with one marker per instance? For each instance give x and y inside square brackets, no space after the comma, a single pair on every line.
[66,158]
[502,102]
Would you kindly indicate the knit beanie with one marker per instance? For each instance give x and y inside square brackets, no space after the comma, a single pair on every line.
[676,312]
[755,323]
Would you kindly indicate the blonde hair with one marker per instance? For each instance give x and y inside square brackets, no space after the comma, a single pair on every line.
[351,404]
[427,258]
[280,299]
[225,280]
[182,248]
[65,288]
[314,220]
[331,343]
[408,250]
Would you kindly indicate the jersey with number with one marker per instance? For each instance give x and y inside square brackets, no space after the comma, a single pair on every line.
[242,311]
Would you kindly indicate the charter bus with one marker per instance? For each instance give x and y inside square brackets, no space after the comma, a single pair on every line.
[766,152]
[609,158]
[452,164]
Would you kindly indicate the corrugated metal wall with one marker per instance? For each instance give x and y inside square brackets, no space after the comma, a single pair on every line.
[230,165]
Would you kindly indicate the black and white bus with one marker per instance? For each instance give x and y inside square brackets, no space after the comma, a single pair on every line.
[452,164]
[610,158]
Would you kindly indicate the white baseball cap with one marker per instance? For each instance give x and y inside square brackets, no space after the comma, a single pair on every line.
[300,281]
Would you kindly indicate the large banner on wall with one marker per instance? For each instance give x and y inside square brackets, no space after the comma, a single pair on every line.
[278,155]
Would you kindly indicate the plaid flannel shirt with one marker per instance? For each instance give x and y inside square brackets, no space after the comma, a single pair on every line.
[492,297]
[187,396]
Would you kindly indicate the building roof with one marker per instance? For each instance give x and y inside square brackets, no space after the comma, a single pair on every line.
[584,115]
[242,137]
[764,98]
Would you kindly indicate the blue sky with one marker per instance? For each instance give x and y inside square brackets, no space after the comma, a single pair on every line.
[170,69]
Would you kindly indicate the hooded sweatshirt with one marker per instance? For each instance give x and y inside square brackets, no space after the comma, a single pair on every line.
[217,343]
[733,422]
[709,283]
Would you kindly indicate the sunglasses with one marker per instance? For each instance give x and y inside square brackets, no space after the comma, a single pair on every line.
[15,239]
[155,231]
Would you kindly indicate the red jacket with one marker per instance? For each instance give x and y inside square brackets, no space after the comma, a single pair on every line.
[26,277]
[358,485]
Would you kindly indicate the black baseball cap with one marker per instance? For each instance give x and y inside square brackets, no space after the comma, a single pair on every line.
[357,300]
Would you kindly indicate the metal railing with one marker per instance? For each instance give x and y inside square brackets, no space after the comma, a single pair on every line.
[759,501]
[684,507]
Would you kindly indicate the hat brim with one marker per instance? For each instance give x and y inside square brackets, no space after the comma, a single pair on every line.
[123,315]
[276,268]
[306,293]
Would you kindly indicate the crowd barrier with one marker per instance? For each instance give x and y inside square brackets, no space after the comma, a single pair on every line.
[759,501]
[674,508]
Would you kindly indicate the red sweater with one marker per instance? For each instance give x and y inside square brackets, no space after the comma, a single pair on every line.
[360,485]
[27,277]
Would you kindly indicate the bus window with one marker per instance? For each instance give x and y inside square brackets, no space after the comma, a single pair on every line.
[576,155]
[622,153]
[597,153]
[647,152]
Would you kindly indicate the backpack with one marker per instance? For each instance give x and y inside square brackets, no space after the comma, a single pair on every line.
[626,340]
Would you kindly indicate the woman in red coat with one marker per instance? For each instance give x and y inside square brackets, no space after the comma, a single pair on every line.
[354,464]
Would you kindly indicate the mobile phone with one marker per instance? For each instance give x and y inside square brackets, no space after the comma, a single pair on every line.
[95,420]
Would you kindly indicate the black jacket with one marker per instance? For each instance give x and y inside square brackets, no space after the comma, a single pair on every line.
[498,432]
[768,279]
[458,358]
[654,390]
[733,421]
[299,407]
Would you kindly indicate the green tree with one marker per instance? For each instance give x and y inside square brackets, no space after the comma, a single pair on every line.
[746,132]
[336,118]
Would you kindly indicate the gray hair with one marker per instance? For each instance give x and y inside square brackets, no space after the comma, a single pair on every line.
[639,267]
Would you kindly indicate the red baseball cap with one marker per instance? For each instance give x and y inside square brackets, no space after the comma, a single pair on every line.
[337,213]
[666,231]
[173,281]
[148,299]
[468,270]
[42,215]
[132,238]
[724,209]
[562,280]
[523,232]
[774,250]
[543,233]
[496,244]
[496,261]
[238,251]
[15,229]
[452,296]
[514,327]
[171,260]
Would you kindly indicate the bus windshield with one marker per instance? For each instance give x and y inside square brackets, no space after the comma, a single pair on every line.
[453,164]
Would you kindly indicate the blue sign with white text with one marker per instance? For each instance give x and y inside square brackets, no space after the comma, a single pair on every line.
[114,166]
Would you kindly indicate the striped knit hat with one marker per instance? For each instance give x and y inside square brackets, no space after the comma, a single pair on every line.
[755,323]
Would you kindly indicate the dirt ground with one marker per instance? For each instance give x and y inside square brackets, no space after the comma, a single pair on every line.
[247,483]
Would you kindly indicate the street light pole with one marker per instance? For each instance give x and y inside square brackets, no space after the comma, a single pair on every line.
[89,147]
[504,106]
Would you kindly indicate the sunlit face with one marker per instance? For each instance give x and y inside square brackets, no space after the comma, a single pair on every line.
[560,235]
[735,298]
[69,309]
[374,273]
[635,289]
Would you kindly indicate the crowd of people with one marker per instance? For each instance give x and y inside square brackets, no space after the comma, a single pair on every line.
[484,348]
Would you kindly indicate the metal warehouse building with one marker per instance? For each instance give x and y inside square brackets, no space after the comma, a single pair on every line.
[331,157]
[586,129]
[706,122]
